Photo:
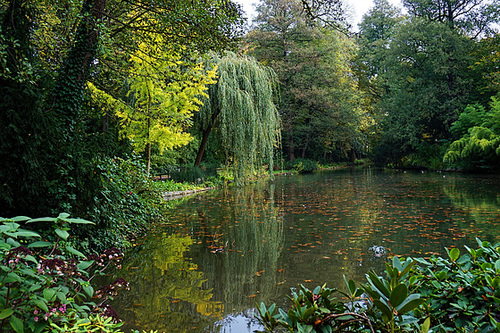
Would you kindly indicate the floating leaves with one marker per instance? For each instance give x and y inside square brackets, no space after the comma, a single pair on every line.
[316,228]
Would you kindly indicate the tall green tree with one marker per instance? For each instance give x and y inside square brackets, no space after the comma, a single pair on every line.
[319,101]
[474,17]
[241,106]
[376,31]
[427,83]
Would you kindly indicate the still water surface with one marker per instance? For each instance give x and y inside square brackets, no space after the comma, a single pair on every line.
[226,250]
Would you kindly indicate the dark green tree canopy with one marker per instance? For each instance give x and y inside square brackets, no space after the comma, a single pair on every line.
[472,16]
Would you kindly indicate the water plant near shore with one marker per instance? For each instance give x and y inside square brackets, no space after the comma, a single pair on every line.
[454,294]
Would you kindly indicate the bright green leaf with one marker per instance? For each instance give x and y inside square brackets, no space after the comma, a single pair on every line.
[6,313]
[40,244]
[454,254]
[16,324]
[62,233]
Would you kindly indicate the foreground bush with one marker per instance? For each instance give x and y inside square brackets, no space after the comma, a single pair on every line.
[47,286]
[458,294]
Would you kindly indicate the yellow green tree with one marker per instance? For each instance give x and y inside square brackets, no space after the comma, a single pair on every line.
[164,93]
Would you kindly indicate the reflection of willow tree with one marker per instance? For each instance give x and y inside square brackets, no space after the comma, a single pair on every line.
[166,288]
[482,205]
[252,236]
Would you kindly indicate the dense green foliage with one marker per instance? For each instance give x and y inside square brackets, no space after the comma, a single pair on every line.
[458,294]
[478,143]
[320,105]
[47,285]
[70,71]
[241,107]
[89,84]
[417,70]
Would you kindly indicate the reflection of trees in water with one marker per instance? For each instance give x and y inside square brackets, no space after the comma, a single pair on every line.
[167,291]
[481,203]
[173,293]
[249,233]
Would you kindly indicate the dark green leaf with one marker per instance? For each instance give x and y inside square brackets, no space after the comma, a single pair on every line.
[88,290]
[49,294]
[79,221]
[398,294]
[42,304]
[26,233]
[74,251]
[378,285]
[410,303]
[384,308]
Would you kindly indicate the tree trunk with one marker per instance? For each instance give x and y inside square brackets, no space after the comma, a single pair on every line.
[203,145]
[148,165]
[204,139]
[291,145]
[304,149]
[148,145]
[353,155]
[67,96]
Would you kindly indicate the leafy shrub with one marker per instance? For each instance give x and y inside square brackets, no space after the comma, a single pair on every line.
[458,294]
[127,203]
[478,137]
[301,165]
[463,292]
[382,305]
[47,286]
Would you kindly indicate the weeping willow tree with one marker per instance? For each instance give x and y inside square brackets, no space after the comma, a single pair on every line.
[241,108]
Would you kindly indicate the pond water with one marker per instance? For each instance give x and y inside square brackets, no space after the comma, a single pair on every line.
[226,250]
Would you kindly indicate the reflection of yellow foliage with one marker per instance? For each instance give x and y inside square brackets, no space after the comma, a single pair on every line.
[172,251]
[215,309]
[186,280]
